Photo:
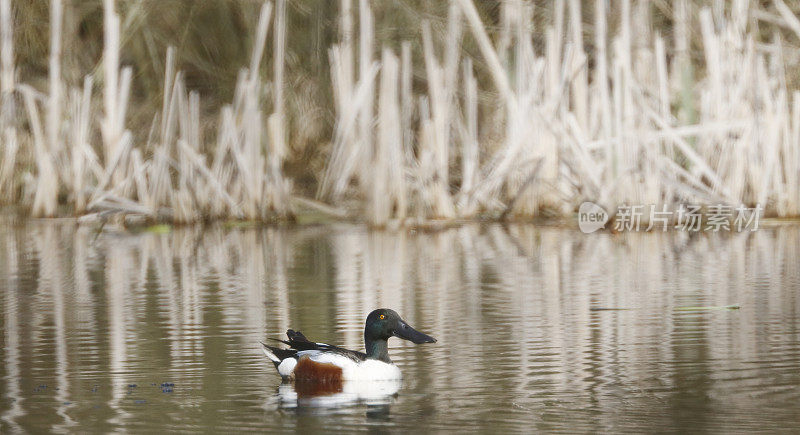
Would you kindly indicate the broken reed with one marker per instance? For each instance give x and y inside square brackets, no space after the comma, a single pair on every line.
[542,130]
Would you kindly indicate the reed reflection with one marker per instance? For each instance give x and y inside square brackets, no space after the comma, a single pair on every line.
[11,336]
[103,322]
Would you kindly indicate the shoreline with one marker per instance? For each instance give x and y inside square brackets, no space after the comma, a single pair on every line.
[315,220]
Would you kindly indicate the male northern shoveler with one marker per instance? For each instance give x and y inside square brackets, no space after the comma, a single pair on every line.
[320,362]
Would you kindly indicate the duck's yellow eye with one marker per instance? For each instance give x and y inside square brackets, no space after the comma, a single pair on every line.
[382,317]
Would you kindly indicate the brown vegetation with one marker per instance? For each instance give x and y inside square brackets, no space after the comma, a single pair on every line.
[396,111]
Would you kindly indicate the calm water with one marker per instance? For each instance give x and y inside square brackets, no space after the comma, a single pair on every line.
[146,332]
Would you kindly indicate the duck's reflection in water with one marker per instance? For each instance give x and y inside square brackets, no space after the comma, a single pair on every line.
[329,395]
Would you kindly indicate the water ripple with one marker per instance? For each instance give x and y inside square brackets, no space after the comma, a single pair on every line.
[160,332]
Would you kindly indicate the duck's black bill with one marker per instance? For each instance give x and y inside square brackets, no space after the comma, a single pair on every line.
[408,333]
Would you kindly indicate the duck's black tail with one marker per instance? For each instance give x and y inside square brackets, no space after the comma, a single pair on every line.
[276,354]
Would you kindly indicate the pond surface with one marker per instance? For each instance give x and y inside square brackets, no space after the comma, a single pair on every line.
[151,332]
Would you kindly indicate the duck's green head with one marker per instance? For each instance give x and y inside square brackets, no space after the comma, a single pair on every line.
[384,323]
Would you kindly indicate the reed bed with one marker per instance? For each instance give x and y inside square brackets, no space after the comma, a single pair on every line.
[170,175]
[574,125]
[520,110]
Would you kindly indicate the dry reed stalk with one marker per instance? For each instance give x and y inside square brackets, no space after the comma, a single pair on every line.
[600,83]
[346,37]
[406,102]
[10,148]
[7,104]
[352,148]
[389,186]
[495,68]
[53,122]
[788,16]
[80,149]
[682,69]
[46,188]
[345,155]
[469,140]
[259,187]
[279,41]
[110,126]
[345,149]
[580,69]
[437,144]
[47,144]
[169,79]
[278,187]
[7,73]
[791,156]
[365,111]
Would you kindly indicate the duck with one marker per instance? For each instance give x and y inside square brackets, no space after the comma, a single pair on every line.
[307,361]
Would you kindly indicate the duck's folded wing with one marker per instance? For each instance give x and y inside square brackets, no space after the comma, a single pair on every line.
[299,342]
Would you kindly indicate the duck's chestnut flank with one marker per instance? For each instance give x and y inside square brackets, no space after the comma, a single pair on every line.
[310,370]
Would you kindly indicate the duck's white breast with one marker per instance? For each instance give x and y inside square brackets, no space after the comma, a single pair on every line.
[374,370]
